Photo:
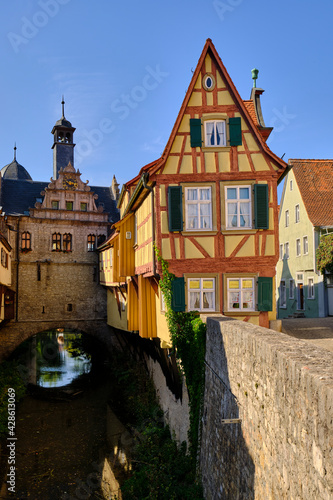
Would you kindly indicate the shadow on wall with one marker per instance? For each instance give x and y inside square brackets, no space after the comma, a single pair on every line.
[227,468]
[295,296]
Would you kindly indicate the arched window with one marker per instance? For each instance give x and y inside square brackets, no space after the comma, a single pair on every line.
[56,242]
[91,242]
[67,242]
[68,138]
[60,137]
[26,241]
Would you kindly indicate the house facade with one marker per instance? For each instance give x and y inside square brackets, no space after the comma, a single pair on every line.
[210,206]
[7,296]
[54,229]
[305,217]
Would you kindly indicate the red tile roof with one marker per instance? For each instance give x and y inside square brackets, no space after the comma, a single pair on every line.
[315,182]
[249,104]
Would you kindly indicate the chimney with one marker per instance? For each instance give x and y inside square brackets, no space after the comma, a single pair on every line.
[255,98]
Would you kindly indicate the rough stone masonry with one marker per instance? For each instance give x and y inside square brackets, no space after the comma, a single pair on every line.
[267,417]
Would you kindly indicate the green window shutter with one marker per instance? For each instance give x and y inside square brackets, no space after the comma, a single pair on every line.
[235,131]
[195,129]
[178,295]
[265,294]
[261,217]
[175,198]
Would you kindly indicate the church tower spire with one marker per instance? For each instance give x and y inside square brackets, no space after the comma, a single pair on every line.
[63,145]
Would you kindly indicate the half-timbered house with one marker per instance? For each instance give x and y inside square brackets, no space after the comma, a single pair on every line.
[209,204]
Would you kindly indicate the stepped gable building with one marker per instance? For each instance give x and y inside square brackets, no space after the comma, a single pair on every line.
[210,206]
[55,227]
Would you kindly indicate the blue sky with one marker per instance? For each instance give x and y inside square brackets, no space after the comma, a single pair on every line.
[124,68]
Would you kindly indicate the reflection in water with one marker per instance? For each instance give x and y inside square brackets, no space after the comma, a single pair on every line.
[59,359]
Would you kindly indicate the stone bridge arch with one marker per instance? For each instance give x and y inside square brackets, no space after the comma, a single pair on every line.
[14,333]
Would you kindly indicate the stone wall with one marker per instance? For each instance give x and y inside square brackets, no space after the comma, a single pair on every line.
[277,393]
[176,410]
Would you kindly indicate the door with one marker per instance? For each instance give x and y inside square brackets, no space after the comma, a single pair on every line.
[300,292]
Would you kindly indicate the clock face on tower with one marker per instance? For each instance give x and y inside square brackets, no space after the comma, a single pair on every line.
[69,182]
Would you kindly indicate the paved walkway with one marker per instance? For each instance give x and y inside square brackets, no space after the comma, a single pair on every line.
[318,331]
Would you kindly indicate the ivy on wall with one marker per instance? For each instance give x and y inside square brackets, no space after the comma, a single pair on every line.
[324,254]
[188,336]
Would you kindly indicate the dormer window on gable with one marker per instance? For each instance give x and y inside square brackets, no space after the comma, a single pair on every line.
[215,131]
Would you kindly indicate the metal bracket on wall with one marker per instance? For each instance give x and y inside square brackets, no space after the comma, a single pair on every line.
[231,421]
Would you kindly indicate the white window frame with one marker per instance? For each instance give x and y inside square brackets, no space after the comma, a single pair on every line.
[238,200]
[199,203]
[297,216]
[283,295]
[298,247]
[291,185]
[281,251]
[291,289]
[201,291]
[286,250]
[286,218]
[311,289]
[240,290]
[224,133]
[305,240]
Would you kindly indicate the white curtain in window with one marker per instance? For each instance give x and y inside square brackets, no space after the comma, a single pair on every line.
[244,209]
[192,215]
[234,300]
[208,300]
[232,214]
[194,300]
[192,194]
[205,216]
[219,133]
[248,300]
[205,194]
[210,136]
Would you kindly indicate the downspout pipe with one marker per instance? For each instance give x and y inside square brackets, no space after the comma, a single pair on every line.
[145,179]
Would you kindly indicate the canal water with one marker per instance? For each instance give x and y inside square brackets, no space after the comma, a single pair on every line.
[69,441]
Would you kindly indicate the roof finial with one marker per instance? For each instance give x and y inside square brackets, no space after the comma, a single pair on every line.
[63,107]
[15,148]
[254,76]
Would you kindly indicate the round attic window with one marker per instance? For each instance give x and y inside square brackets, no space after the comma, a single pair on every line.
[208,82]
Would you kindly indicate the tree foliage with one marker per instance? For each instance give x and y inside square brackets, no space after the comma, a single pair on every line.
[324,254]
